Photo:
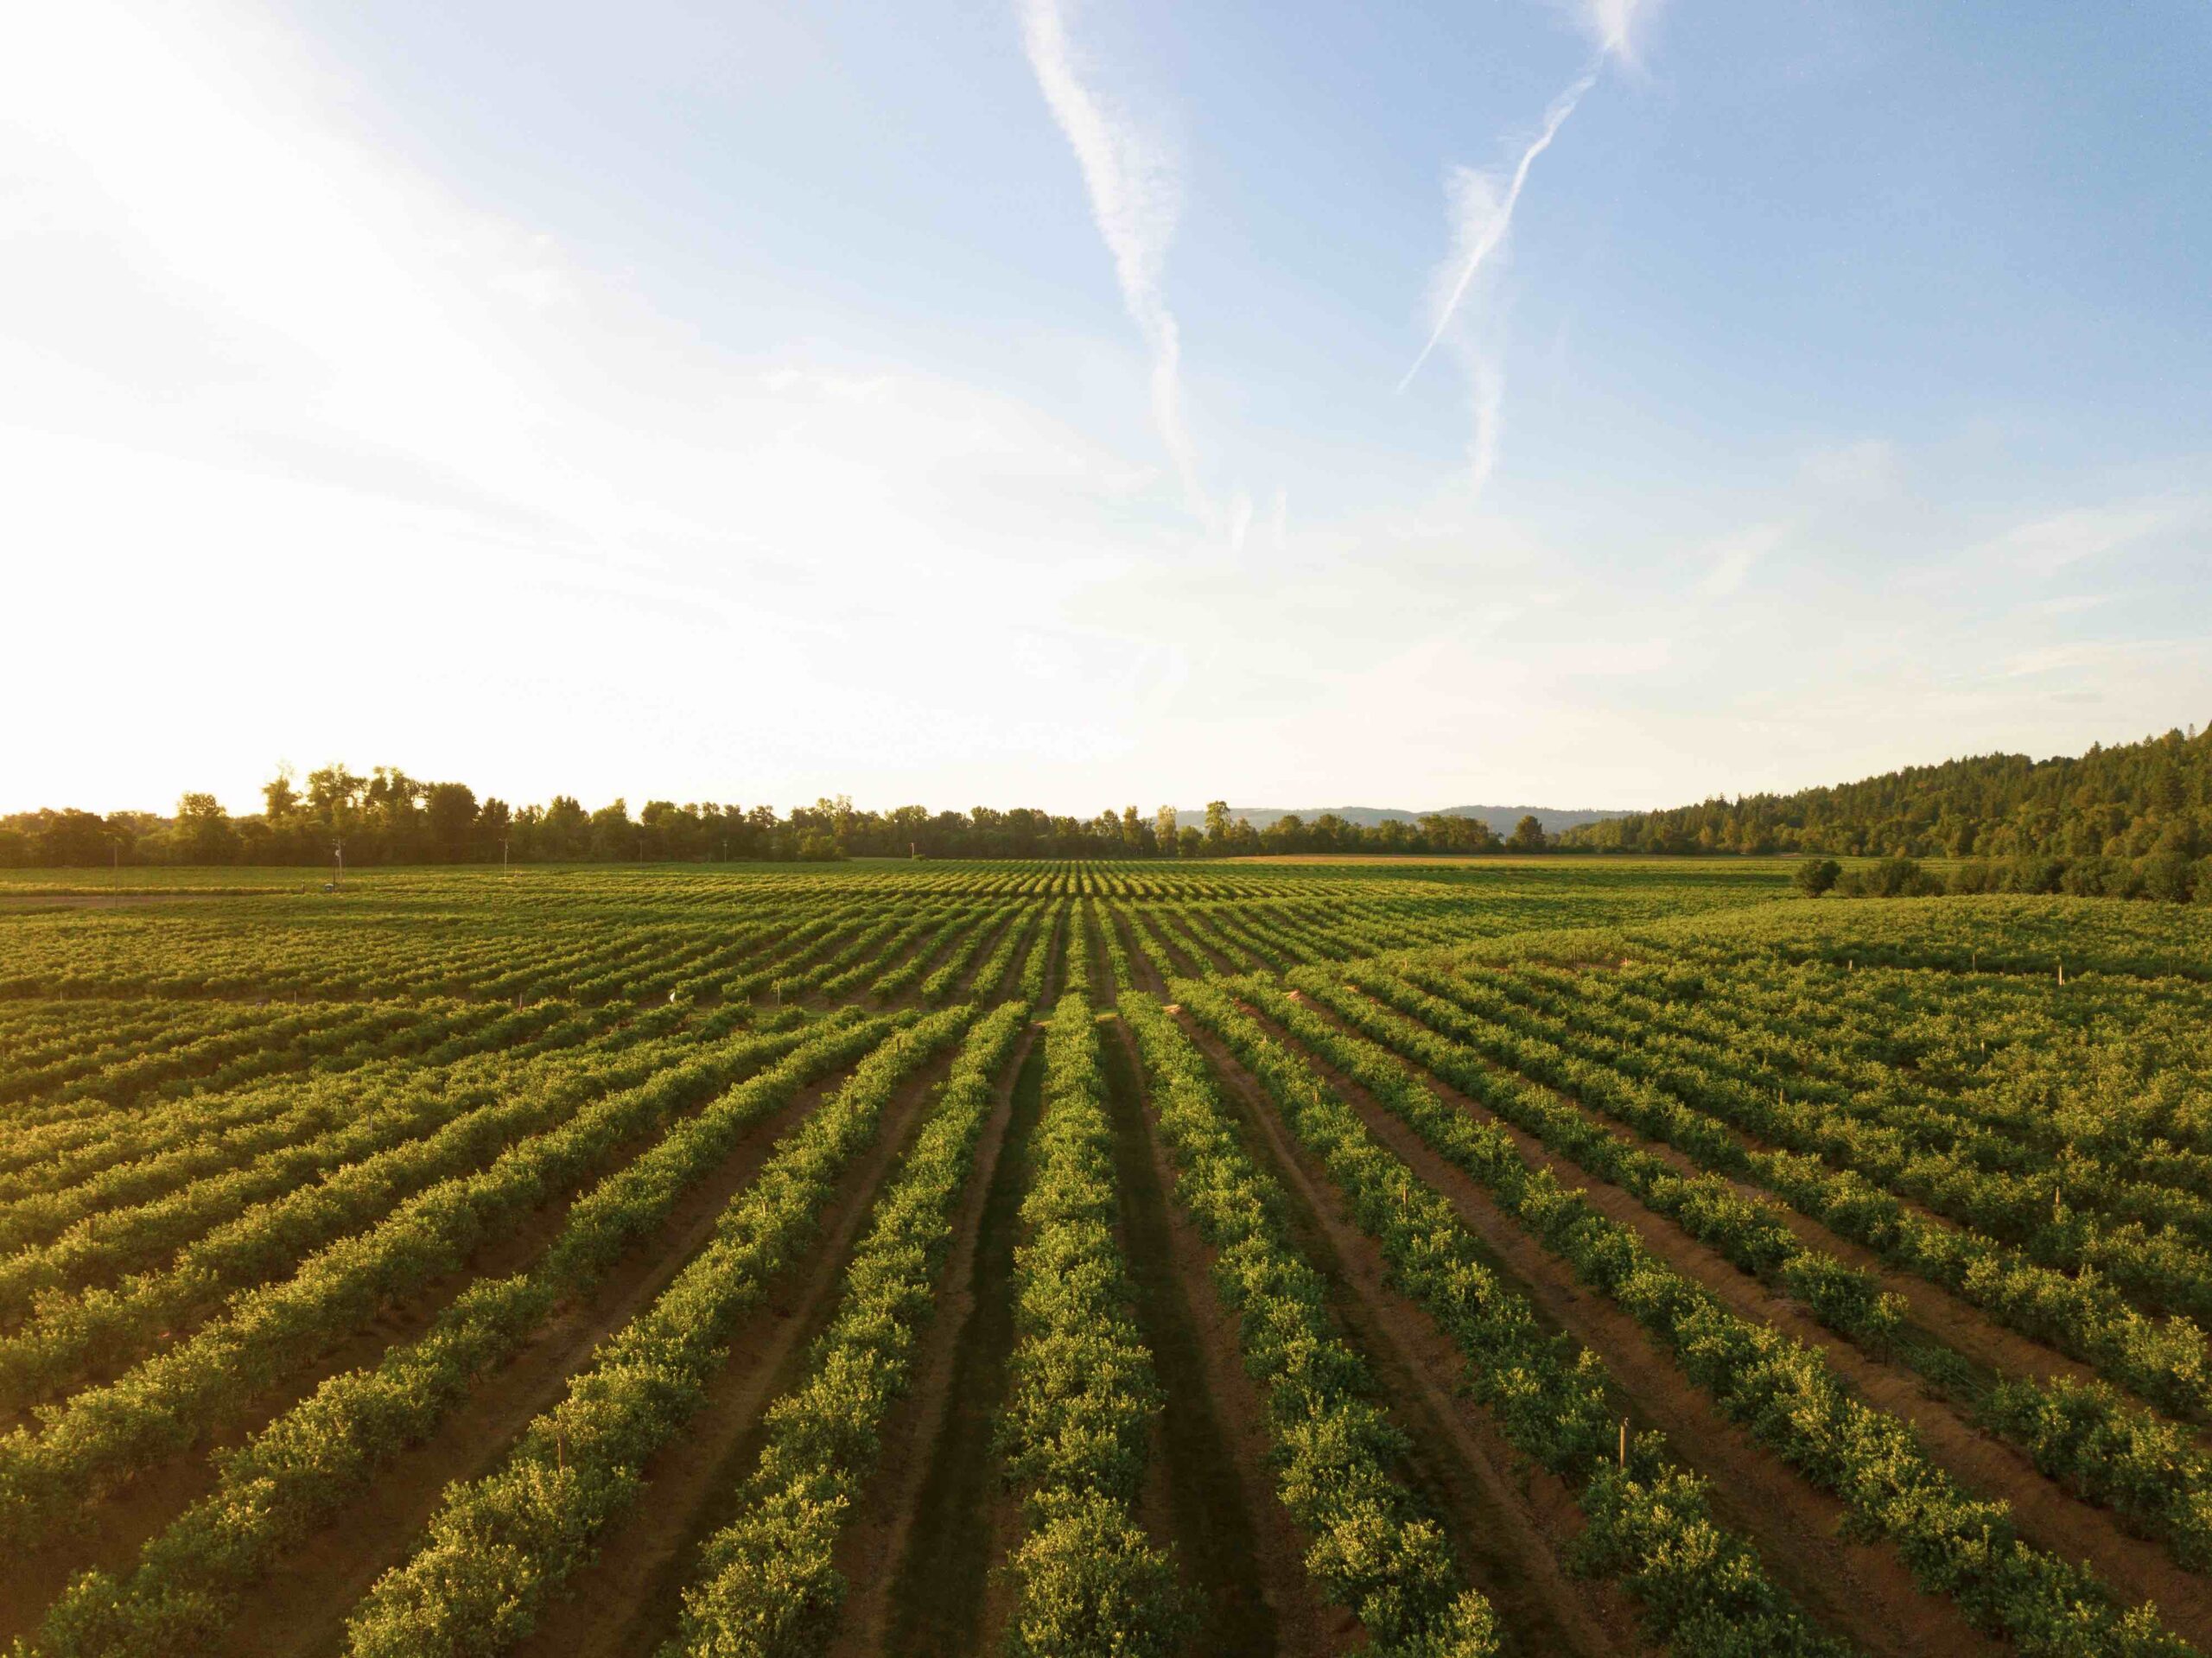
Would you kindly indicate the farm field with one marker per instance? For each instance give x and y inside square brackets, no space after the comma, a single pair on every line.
[1547,1256]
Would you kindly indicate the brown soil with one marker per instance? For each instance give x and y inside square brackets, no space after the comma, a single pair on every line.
[1508,1521]
[626,1601]
[881,1530]
[1862,1590]
[112,1529]
[2049,1516]
[1209,1489]
[1960,1323]
[1148,976]
[302,1606]
[1104,988]
[946,1599]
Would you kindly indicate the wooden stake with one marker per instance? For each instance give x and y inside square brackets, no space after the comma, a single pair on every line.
[1623,1445]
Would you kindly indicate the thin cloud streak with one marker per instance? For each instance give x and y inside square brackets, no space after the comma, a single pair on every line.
[1491,235]
[1135,197]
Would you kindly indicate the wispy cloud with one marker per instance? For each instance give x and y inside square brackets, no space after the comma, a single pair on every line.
[1481,218]
[1481,215]
[2048,545]
[1732,558]
[1135,194]
[1612,25]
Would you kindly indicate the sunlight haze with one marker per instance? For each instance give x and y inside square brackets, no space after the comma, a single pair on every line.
[1078,404]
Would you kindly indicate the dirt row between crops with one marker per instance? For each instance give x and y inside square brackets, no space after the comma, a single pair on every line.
[1960,1324]
[2048,1515]
[113,1529]
[302,1607]
[1509,1522]
[1862,1590]
[916,1551]
[1212,1489]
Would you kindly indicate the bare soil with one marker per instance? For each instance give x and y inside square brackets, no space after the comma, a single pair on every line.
[1862,1590]
[1508,1520]
[302,1607]
[881,1534]
[2047,1514]
[627,1600]
[1209,1486]
[944,1600]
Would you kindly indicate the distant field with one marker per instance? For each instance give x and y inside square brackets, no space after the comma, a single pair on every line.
[1546,1256]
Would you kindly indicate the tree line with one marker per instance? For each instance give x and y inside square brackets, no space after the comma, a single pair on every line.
[2132,820]
[334,814]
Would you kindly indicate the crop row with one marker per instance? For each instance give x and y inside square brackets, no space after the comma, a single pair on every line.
[1648,1521]
[1373,1550]
[2146,1467]
[1080,1393]
[1996,1174]
[1784,1392]
[765,1584]
[72,1335]
[129,1157]
[167,1402]
[2164,1361]
[499,1546]
[294,1475]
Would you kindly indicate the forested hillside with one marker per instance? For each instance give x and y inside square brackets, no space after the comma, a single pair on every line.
[2148,800]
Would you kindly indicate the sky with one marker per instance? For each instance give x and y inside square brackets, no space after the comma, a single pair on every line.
[1075,402]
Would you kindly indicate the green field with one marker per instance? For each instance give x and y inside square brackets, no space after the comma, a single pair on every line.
[1545,1255]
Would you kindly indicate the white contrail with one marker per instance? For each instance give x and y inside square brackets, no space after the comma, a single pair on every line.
[1501,220]
[1134,200]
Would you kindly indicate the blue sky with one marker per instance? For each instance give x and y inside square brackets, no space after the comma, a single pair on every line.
[1008,402]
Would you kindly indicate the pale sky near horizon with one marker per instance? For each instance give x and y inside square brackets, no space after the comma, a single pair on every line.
[1606,403]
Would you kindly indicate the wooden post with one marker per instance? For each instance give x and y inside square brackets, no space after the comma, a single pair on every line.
[1623,1445]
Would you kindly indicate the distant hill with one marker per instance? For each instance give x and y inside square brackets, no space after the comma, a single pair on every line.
[1501,818]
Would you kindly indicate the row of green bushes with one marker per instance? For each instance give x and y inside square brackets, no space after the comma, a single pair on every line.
[1750,1235]
[1702,1113]
[765,1586]
[1649,1523]
[72,1337]
[498,1547]
[2151,1237]
[294,1475]
[95,1183]
[1005,923]
[224,1226]
[1088,1582]
[1038,961]
[1759,1242]
[1784,1393]
[169,1402]
[1374,1552]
